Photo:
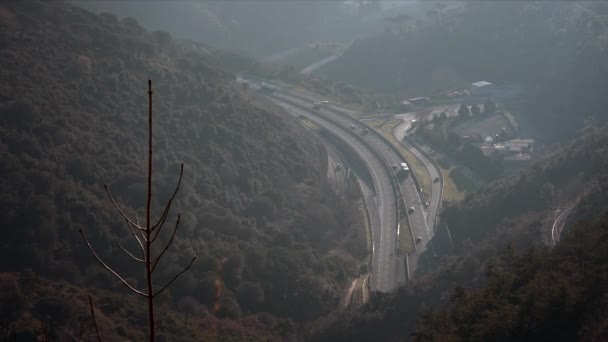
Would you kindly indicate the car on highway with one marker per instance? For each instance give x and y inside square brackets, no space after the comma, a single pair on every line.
[436,180]
[365,131]
[324,102]
[395,167]
[353,126]
[410,210]
[418,239]
[338,167]
[316,105]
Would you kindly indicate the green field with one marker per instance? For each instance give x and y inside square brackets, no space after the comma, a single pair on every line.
[406,241]
[308,123]
[451,192]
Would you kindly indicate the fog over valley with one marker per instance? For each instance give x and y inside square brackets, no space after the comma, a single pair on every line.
[302,170]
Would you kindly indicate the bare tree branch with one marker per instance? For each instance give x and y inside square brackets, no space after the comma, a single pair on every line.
[145,234]
[129,253]
[174,278]
[168,206]
[108,267]
[143,250]
[161,220]
[120,210]
[94,320]
[157,259]
[142,231]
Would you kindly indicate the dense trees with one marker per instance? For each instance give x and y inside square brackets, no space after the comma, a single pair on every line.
[475,110]
[464,110]
[494,278]
[557,50]
[67,130]
[489,106]
[535,295]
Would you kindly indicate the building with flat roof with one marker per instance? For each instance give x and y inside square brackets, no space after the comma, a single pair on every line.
[480,84]
[514,147]
[419,100]
[406,106]
[482,88]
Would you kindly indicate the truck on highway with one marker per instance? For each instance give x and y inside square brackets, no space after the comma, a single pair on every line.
[404,167]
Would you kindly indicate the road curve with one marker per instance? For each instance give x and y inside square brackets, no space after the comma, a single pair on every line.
[558,224]
[409,190]
[400,133]
[384,258]
[422,223]
[407,186]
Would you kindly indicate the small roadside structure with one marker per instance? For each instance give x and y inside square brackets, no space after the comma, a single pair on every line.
[419,100]
[483,88]
[515,146]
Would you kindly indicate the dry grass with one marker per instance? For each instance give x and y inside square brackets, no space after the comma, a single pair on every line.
[450,191]
[406,241]
[368,229]
[309,124]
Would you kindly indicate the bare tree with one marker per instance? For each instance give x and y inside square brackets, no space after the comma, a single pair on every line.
[145,236]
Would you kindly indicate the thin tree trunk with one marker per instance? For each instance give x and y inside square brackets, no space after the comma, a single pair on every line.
[148,225]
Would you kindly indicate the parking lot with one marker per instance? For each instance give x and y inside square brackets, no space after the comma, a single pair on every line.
[486,125]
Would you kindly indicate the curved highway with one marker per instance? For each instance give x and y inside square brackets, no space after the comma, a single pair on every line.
[400,133]
[388,270]
[384,259]
[411,194]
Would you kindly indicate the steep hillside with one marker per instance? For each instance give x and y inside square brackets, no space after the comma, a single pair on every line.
[537,295]
[557,50]
[510,216]
[73,117]
[245,25]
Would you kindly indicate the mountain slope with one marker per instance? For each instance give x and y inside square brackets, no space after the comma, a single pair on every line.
[556,50]
[73,117]
[510,217]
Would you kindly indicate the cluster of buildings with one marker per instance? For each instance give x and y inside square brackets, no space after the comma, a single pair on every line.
[478,92]
[514,153]
[358,7]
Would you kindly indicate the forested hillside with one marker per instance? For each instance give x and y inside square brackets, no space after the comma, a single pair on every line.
[536,295]
[254,207]
[244,25]
[557,50]
[508,219]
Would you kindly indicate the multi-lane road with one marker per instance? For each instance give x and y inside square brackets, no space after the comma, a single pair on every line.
[383,196]
[384,258]
[432,211]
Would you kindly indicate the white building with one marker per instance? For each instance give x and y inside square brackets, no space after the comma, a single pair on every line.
[483,88]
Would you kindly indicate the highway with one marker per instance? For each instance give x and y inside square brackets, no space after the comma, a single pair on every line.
[411,194]
[558,224]
[432,211]
[388,269]
[384,273]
